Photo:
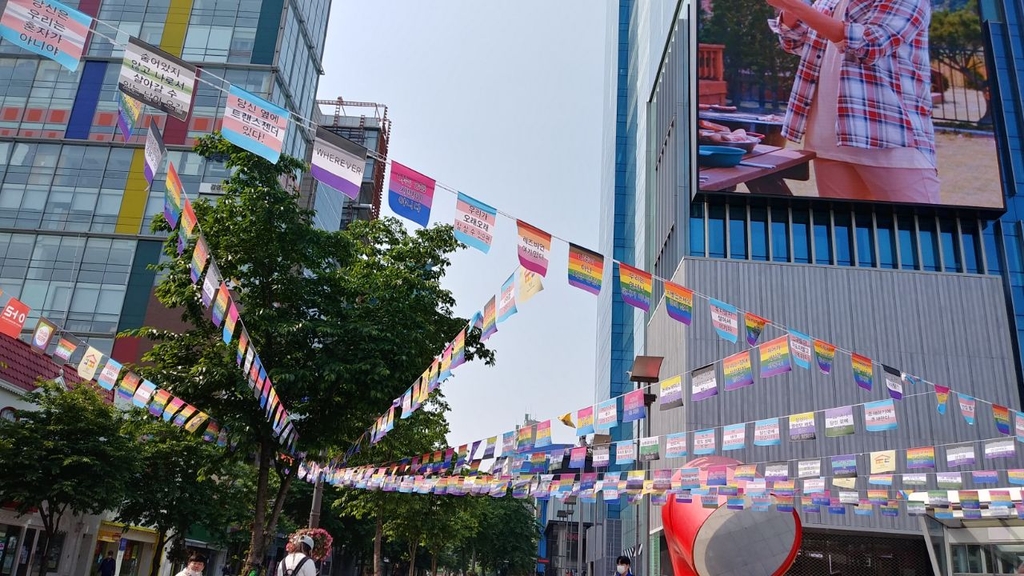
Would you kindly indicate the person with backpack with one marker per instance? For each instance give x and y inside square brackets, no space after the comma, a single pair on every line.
[298,563]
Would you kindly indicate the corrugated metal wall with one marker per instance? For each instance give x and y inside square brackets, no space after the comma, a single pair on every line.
[946,328]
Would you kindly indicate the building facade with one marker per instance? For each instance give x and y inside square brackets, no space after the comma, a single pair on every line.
[75,211]
[935,291]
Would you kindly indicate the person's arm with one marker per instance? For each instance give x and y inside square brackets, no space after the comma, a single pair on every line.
[792,31]
[795,12]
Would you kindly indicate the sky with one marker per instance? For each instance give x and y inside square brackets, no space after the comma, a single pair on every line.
[503,102]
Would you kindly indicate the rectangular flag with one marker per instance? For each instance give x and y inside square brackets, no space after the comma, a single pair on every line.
[967,407]
[143,394]
[338,162]
[1000,448]
[649,449]
[12,320]
[229,323]
[801,426]
[108,376]
[254,124]
[734,437]
[633,408]
[188,218]
[602,456]
[636,286]
[844,466]
[220,305]
[893,382]
[671,395]
[585,421]
[543,436]
[160,399]
[880,416]
[1001,414]
[173,192]
[528,285]
[704,442]
[960,455]
[766,432]
[725,319]
[47,28]
[775,357]
[839,422]
[128,111]
[459,350]
[737,372]
[703,383]
[802,348]
[675,445]
[210,284]
[65,348]
[157,78]
[922,457]
[507,306]
[825,354]
[154,152]
[625,453]
[474,222]
[586,269]
[607,415]
[90,363]
[42,335]
[863,372]
[679,303]
[490,320]
[534,246]
[410,194]
[1018,425]
[755,325]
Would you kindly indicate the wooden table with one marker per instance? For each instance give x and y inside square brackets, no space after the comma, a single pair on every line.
[785,164]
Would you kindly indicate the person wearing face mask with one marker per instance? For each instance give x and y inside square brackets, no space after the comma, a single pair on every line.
[196,563]
[622,566]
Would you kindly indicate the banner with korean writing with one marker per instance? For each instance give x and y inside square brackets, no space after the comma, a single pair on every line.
[703,384]
[534,247]
[636,286]
[47,28]
[157,78]
[154,152]
[128,111]
[586,269]
[410,194]
[474,222]
[12,319]
[671,393]
[725,319]
[507,304]
[679,303]
[338,162]
[737,372]
[254,124]
[774,357]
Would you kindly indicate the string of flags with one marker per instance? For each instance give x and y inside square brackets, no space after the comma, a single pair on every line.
[93,366]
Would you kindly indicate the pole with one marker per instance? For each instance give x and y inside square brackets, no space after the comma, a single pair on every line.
[579,544]
[318,496]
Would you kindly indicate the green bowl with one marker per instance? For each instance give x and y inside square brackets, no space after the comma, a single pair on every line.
[719,156]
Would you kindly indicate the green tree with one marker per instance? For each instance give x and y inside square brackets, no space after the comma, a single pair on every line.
[507,537]
[344,321]
[181,482]
[955,39]
[67,454]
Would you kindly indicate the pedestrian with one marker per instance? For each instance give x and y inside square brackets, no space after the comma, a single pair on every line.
[298,563]
[196,563]
[108,565]
[861,97]
[622,566]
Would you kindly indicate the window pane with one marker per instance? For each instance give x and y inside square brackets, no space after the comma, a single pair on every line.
[780,235]
[801,237]
[908,243]
[759,233]
[865,241]
[716,231]
[929,244]
[972,247]
[995,265]
[950,246]
[822,237]
[697,247]
[737,232]
[844,239]
[886,241]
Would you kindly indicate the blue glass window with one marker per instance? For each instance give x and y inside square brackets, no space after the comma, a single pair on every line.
[697,247]
[972,247]
[908,243]
[737,232]
[801,237]
[865,241]
[716,231]
[950,246]
[822,237]
[886,241]
[758,233]
[994,264]
[929,244]
[780,235]
[844,239]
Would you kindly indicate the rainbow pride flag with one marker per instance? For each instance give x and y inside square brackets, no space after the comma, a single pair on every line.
[172,196]
[586,269]
[1001,414]
[923,457]
[755,325]
[679,303]
[490,319]
[459,350]
[636,286]
[863,373]
[534,247]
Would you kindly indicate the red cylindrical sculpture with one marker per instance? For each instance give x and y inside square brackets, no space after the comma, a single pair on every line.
[722,542]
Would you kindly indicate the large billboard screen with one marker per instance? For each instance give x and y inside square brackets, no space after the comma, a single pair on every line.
[864,100]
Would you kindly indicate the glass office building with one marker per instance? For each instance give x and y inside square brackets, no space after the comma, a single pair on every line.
[937,291]
[75,211]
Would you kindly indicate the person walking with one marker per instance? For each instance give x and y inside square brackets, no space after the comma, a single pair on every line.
[298,563]
[108,565]
[196,563]
[622,566]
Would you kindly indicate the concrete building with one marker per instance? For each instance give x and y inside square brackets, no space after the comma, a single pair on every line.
[932,290]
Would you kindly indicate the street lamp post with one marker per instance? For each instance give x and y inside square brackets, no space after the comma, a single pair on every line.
[646,371]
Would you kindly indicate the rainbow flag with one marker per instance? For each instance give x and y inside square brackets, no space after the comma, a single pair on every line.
[679,303]
[490,319]
[923,457]
[243,345]
[1015,476]
[229,324]
[863,372]
[586,269]
[825,354]
[459,350]
[1001,414]
[636,286]
[220,306]
[774,356]
[534,246]
[200,255]
[188,218]
[737,371]
[172,196]
[755,325]
[446,363]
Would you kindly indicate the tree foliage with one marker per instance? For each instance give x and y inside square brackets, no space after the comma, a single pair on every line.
[343,321]
[955,39]
[507,537]
[67,454]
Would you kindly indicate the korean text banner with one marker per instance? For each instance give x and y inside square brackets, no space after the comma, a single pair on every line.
[410,194]
[157,78]
[47,28]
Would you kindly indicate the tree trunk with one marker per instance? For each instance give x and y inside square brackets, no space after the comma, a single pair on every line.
[257,543]
[158,553]
[378,538]
[412,557]
[433,563]
[51,521]
[275,514]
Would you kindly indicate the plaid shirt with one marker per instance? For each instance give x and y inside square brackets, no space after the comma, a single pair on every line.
[885,80]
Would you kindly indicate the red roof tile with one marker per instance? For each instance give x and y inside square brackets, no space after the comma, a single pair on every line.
[24,366]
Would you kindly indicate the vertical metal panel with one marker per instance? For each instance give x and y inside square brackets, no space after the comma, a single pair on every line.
[946,328]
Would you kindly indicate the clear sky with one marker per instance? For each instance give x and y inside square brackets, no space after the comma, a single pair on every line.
[502,101]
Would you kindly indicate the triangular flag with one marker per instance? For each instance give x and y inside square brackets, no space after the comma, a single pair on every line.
[567,419]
